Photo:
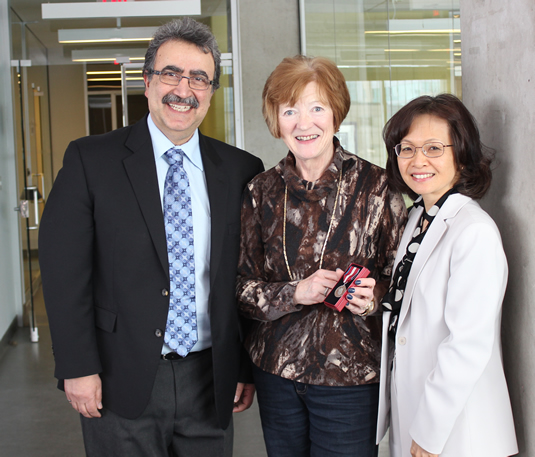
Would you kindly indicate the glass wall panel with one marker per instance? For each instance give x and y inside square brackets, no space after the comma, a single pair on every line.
[219,121]
[390,52]
[33,149]
[105,79]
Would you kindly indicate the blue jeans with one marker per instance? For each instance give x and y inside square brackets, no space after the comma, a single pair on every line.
[305,420]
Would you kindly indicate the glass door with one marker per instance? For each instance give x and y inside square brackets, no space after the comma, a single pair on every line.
[31,112]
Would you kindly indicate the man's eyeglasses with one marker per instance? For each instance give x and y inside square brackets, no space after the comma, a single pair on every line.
[431,150]
[172,78]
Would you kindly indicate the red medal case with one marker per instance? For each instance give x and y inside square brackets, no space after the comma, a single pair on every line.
[337,297]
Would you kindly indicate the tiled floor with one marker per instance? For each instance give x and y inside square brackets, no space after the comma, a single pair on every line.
[37,421]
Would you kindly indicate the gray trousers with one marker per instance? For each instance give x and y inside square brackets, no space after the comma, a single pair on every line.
[179,421]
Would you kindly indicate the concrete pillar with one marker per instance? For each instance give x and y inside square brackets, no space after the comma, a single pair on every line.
[498,64]
[269,31]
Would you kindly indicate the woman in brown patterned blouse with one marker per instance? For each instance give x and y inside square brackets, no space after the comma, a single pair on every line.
[303,222]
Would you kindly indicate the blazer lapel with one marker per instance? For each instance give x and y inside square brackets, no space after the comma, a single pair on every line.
[437,230]
[141,170]
[217,195]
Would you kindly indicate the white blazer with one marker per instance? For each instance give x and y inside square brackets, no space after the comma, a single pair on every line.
[451,391]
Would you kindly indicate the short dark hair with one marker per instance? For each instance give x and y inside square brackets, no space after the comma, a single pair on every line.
[190,31]
[288,81]
[472,158]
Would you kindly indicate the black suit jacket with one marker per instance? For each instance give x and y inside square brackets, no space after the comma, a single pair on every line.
[103,257]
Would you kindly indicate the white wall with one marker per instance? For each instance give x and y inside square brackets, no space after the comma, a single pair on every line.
[498,64]
[10,252]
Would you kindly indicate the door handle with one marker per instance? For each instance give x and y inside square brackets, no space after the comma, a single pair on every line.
[35,191]
[23,209]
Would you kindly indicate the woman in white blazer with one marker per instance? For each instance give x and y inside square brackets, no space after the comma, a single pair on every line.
[443,389]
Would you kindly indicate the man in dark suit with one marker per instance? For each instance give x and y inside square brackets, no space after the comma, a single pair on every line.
[138,248]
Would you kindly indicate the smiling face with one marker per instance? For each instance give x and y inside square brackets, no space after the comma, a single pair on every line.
[307,128]
[172,108]
[430,178]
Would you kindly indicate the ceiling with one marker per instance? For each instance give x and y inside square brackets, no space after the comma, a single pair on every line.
[44,31]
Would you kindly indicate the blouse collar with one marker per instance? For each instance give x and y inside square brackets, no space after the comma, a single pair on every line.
[311,190]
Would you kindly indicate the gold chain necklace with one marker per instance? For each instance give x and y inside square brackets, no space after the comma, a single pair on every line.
[326,236]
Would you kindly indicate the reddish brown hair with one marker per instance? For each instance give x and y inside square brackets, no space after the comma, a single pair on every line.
[288,81]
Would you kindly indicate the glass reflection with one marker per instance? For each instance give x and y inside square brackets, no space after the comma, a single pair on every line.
[390,53]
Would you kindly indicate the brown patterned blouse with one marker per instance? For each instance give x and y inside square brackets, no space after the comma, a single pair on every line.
[316,344]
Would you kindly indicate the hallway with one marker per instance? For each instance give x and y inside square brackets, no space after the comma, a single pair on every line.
[37,421]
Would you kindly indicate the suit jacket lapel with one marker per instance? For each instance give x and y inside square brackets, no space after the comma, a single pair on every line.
[141,170]
[437,230]
[217,195]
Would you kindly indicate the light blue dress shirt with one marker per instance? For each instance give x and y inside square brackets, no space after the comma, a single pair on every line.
[201,222]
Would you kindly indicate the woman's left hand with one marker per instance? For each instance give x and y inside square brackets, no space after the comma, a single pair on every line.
[360,297]
[417,451]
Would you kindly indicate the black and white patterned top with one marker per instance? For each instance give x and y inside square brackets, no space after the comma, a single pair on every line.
[394,297]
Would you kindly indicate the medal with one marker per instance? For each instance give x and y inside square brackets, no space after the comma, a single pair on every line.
[340,291]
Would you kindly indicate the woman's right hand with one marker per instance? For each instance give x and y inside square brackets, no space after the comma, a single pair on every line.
[316,287]
[418,451]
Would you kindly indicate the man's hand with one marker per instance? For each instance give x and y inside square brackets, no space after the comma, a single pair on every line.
[85,395]
[244,397]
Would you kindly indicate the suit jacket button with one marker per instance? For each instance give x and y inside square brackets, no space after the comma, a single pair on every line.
[165,292]
[402,341]
[158,333]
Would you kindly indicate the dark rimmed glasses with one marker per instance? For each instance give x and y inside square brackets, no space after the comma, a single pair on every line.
[172,78]
[431,150]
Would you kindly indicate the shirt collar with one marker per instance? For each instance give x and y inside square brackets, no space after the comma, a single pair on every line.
[161,144]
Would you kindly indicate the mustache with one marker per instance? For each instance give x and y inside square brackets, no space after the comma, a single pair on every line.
[172,98]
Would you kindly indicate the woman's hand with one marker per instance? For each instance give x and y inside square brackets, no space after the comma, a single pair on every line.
[417,451]
[360,297]
[316,287]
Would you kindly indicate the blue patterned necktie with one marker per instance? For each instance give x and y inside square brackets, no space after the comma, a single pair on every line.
[181,328]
